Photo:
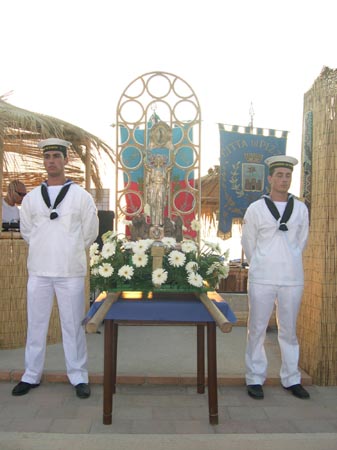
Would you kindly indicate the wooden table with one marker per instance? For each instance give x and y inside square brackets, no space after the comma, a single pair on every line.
[166,311]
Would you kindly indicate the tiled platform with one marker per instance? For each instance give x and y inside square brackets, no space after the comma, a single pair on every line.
[154,354]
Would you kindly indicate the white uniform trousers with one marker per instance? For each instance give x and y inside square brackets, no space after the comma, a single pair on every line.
[262,298]
[70,299]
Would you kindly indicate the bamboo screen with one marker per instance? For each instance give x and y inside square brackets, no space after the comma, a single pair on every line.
[317,323]
[13,309]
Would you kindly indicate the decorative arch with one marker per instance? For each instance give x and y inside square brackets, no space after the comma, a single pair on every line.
[158,123]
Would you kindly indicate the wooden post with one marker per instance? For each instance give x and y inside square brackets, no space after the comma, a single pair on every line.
[157,253]
[97,319]
[222,322]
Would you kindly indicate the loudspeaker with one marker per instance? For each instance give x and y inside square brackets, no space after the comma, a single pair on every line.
[106,223]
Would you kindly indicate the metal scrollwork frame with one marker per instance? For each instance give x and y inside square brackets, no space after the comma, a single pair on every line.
[156,106]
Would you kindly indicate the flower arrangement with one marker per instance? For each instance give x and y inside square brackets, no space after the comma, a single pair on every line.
[122,264]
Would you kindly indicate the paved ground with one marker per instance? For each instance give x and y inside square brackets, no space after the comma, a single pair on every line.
[156,368]
[28,441]
[167,409]
[156,404]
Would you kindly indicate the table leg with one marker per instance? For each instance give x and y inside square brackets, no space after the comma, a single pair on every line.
[200,359]
[114,356]
[108,371]
[212,374]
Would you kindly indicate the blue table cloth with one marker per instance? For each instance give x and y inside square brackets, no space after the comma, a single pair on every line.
[167,309]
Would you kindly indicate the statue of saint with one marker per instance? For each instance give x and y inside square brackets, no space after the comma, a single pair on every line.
[168,227]
[178,231]
[157,186]
[139,228]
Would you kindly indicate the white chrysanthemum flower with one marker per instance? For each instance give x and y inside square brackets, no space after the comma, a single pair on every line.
[192,266]
[93,249]
[159,276]
[169,242]
[218,267]
[106,270]
[95,259]
[212,268]
[126,272]
[195,279]
[188,246]
[215,246]
[176,259]
[224,271]
[184,228]
[108,249]
[94,271]
[140,259]
[128,245]
[109,236]
[140,246]
[195,225]
[226,254]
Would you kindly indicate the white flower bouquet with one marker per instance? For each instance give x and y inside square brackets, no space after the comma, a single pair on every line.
[127,265]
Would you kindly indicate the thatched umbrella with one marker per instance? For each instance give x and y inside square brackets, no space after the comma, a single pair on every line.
[210,192]
[21,130]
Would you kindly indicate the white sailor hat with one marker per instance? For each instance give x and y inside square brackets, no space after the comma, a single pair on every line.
[281,161]
[54,144]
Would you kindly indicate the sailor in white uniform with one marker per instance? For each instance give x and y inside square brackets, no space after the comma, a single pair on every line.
[59,222]
[274,235]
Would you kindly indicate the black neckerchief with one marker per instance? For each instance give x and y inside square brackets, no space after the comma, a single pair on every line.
[287,212]
[59,198]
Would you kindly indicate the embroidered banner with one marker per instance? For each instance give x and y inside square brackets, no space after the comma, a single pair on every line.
[243,174]
[179,162]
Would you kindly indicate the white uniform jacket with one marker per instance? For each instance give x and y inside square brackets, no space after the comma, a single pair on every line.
[275,256]
[57,247]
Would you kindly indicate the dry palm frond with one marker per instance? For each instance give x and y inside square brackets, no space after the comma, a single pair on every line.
[20,131]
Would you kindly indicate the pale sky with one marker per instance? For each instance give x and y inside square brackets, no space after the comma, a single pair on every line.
[72,60]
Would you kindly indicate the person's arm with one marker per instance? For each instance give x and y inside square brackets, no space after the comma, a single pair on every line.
[90,222]
[25,220]
[304,233]
[249,234]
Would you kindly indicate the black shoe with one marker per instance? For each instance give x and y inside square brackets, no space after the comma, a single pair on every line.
[83,390]
[255,391]
[23,388]
[298,390]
